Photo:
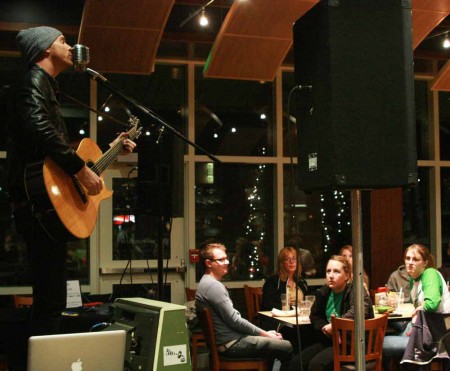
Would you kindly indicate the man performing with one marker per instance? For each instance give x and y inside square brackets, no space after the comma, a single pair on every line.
[39,132]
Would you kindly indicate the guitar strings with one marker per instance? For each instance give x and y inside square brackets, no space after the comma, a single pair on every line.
[112,153]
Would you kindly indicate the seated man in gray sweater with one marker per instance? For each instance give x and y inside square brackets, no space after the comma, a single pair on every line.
[236,337]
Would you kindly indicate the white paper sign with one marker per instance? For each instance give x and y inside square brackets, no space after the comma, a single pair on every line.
[73,294]
[175,355]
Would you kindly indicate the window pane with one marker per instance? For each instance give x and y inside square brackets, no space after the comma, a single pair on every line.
[135,235]
[444,124]
[163,94]
[319,222]
[289,116]
[233,117]
[74,98]
[10,72]
[234,205]
[422,132]
[416,211]
[445,209]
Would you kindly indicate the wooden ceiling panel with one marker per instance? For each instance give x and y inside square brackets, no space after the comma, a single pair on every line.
[426,15]
[263,19]
[442,80]
[254,39]
[248,58]
[440,5]
[124,36]
[127,51]
[423,22]
[135,14]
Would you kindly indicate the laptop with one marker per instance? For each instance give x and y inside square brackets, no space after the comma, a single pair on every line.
[87,351]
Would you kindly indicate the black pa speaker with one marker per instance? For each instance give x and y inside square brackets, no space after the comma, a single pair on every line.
[161,176]
[355,95]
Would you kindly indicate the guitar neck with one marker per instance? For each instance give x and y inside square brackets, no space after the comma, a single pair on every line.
[111,154]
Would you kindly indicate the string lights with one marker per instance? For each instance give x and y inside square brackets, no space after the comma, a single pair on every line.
[336,224]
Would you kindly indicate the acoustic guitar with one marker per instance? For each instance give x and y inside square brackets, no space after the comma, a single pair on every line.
[60,202]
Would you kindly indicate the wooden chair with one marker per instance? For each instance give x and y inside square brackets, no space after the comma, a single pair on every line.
[23,301]
[344,342]
[253,299]
[197,337]
[218,362]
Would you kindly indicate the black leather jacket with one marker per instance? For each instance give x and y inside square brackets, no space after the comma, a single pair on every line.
[38,131]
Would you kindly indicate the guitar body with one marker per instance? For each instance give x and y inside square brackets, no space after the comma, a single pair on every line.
[60,202]
[62,205]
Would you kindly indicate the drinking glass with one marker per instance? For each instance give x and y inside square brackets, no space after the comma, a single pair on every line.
[304,310]
[284,302]
[393,299]
[310,298]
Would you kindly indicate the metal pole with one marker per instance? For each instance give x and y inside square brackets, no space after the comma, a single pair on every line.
[357,253]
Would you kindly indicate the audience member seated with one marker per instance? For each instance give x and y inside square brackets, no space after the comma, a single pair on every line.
[283,281]
[428,292]
[399,279]
[236,337]
[305,257]
[445,268]
[287,280]
[347,252]
[335,298]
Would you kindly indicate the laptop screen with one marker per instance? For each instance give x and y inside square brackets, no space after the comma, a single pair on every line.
[87,351]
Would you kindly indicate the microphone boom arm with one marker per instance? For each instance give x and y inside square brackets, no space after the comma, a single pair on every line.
[104,81]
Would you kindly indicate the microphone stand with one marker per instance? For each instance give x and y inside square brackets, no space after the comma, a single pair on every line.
[104,81]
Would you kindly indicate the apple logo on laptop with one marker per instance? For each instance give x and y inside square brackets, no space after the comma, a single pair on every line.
[76,366]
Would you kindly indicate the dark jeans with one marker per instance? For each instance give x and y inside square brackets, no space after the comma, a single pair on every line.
[316,357]
[262,347]
[48,271]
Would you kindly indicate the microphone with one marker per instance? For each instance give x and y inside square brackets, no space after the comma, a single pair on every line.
[80,57]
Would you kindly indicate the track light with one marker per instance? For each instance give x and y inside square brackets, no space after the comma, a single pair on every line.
[446,43]
[203,19]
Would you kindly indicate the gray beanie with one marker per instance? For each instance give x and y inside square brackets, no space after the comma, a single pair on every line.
[32,42]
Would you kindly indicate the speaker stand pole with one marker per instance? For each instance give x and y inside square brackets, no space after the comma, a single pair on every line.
[360,363]
[160,257]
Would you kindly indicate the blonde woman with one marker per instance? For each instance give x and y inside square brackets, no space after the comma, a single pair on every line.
[284,281]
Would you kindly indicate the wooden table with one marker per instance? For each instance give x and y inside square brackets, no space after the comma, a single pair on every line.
[290,321]
[405,310]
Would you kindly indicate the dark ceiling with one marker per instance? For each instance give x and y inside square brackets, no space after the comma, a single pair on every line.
[188,41]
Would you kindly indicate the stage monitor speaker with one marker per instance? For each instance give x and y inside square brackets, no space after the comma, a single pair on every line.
[355,95]
[157,334]
[161,176]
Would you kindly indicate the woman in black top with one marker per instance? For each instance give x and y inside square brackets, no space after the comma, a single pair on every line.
[283,281]
[335,298]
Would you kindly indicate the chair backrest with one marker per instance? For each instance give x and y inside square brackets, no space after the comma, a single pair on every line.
[23,301]
[253,299]
[190,293]
[344,340]
[206,322]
